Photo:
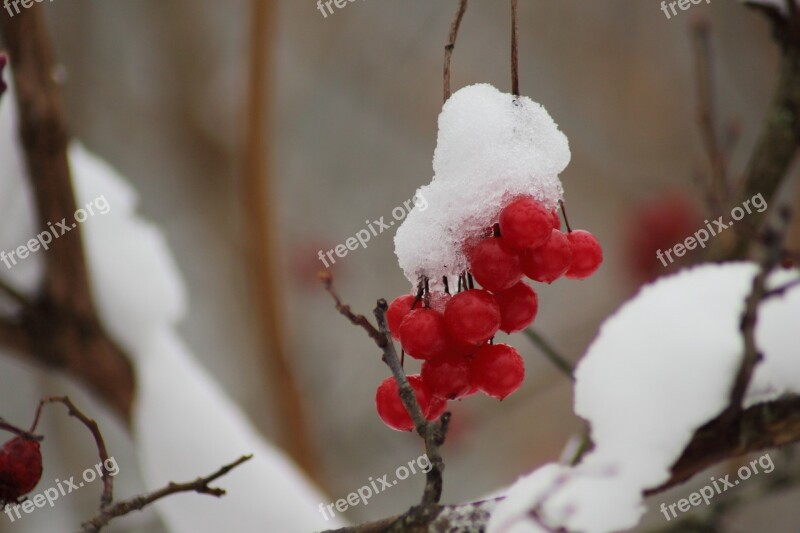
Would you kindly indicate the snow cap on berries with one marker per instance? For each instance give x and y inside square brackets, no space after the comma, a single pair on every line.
[492,147]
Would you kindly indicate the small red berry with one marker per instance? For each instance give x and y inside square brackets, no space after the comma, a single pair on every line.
[494,265]
[548,262]
[391,408]
[518,307]
[423,334]
[525,223]
[397,311]
[20,468]
[498,370]
[586,254]
[472,316]
[447,377]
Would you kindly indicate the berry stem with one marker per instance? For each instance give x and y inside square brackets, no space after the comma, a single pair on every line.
[564,213]
[19,431]
[514,50]
[433,433]
[451,44]
[550,353]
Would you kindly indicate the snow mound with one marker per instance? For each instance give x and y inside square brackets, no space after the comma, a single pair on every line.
[491,147]
[660,368]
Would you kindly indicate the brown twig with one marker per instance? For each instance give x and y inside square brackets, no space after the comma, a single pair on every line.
[514,50]
[773,255]
[357,320]
[28,434]
[200,486]
[432,433]
[451,44]
[108,480]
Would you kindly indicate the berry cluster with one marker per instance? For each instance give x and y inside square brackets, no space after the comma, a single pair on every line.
[20,468]
[453,335]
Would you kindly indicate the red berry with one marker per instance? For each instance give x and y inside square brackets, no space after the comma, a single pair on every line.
[447,377]
[548,262]
[398,309]
[586,254]
[494,265]
[391,408]
[20,468]
[437,408]
[518,306]
[525,223]
[498,370]
[472,316]
[423,334]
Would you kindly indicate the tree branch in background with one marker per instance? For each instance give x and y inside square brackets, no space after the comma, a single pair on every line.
[263,243]
[451,44]
[514,50]
[61,328]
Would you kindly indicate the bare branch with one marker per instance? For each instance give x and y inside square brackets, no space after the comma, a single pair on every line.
[514,50]
[108,480]
[451,44]
[200,486]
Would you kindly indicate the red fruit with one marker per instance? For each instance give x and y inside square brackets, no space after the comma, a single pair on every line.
[447,377]
[548,262]
[494,265]
[472,316]
[518,306]
[20,468]
[398,309]
[438,301]
[391,408]
[423,334]
[497,370]
[586,254]
[437,408]
[525,223]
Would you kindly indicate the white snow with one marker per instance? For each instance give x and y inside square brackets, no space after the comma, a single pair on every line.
[184,424]
[491,147]
[660,368]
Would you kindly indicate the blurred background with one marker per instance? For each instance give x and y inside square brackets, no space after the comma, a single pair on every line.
[161,91]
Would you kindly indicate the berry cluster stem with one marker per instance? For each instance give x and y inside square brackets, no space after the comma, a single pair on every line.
[432,433]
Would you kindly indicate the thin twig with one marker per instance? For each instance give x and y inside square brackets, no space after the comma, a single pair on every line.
[357,320]
[551,353]
[706,114]
[108,480]
[514,50]
[780,291]
[774,253]
[432,433]
[19,431]
[200,486]
[451,44]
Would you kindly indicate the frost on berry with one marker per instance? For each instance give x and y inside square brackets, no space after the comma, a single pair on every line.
[492,147]
[20,468]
